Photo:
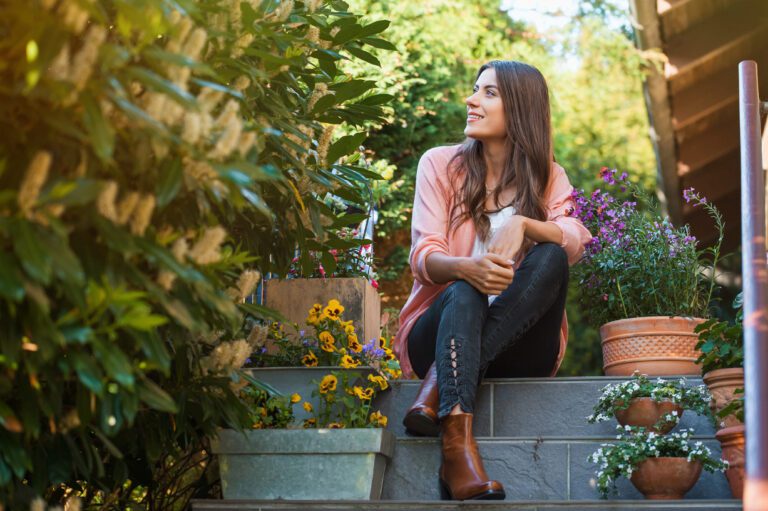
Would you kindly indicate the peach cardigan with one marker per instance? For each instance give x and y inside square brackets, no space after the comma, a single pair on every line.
[429,233]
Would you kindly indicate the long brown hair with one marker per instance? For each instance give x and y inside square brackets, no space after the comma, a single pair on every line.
[525,99]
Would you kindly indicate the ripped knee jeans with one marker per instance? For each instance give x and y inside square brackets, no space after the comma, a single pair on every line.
[518,335]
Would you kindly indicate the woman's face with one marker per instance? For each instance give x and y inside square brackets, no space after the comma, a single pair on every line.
[485,112]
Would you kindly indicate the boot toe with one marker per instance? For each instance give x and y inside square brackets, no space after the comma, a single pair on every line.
[492,490]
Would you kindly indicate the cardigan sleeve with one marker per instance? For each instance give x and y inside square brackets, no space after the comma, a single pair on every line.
[560,205]
[429,220]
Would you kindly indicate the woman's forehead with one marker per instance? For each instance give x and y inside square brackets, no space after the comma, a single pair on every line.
[487,77]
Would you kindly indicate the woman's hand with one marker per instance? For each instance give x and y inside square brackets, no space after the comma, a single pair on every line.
[489,273]
[508,240]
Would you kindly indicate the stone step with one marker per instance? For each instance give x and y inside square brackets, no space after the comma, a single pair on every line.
[530,408]
[507,505]
[551,469]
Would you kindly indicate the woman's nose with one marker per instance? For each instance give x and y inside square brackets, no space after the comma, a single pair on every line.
[471,101]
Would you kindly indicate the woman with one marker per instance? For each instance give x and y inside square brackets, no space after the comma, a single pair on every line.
[492,240]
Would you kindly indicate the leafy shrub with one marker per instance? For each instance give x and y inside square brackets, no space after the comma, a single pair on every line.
[152,154]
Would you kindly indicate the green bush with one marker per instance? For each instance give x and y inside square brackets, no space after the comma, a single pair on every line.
[153,155]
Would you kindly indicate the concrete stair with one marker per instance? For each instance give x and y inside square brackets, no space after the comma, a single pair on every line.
[534,438]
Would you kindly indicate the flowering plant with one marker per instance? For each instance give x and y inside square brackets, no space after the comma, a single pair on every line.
[345,401]
[355,259]
[637,445]
[722,342]
[333,343]
[639,264]
[617,396]
[268,410]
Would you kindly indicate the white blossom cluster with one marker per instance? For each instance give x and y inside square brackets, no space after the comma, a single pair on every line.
[636,445]
[617,396]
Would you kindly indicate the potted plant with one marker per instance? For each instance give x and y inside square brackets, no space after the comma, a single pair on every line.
[657,406]
[644,280]
[336,377]
[732,441]
[290,363]
[345,272]
[722,361]
[659,466]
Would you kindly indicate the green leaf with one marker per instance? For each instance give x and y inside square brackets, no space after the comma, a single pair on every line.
[234,171]
[155,397]
[364,55]
[178,59]
[31,250]
[345,145]
[88,372]
[160,84]
[140,318]
[100,131]
[374,28]
[116,363]
[350,219]
[379,43]
[376,99]
[11,284]
[169,183]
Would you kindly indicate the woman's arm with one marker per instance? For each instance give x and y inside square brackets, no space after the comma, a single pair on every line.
[509,240]
[490,273]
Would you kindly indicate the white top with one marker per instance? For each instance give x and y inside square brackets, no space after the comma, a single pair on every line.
[497,218]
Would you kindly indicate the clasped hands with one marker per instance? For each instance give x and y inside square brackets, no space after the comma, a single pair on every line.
[493,272]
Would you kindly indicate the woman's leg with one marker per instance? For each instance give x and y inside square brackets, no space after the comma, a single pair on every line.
[521,336]
[448,333]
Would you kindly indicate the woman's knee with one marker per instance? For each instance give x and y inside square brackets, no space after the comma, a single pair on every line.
[553,254]
[465,295]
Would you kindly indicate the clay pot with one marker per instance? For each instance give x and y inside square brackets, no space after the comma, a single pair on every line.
[732,440]
[645,412]
[654,345]
[722,383]
[666,478]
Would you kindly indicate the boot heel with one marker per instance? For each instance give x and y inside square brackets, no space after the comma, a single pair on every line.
[420,424]
[445,493]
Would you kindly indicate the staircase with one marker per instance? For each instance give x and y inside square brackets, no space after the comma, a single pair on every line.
[534,438]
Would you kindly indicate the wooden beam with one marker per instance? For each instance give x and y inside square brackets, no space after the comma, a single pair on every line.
[648,34]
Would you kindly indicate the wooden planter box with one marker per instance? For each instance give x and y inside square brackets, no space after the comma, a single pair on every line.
[309,464]
[294,297]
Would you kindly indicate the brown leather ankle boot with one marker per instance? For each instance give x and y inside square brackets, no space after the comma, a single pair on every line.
[421,419]
[462,476]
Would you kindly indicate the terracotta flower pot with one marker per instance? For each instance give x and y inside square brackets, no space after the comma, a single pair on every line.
[732,440]
[654,345]
[666,478]
[722,383]
[645,412]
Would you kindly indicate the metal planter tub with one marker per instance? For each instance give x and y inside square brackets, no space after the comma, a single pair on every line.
[303,464]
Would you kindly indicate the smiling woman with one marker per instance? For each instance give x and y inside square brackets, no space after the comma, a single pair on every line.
[492,240]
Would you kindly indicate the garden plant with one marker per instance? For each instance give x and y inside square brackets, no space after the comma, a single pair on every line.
[155,158]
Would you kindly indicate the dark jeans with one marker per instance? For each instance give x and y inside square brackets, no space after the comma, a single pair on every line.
[518,335]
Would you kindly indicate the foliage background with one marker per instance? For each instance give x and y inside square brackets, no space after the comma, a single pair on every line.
[599,118]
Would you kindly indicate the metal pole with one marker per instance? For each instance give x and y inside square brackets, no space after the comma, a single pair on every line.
[755,291]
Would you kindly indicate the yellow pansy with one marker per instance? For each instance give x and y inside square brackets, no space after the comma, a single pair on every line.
[335,425]
[379,380]
[382,342]
[295,398]
[363,394]
[349,329]
[348,362]
[309,360]
[257,425]
[309,423]
[394,373]
[327,342]
[378,419]
[328,384]
[388,355]
[334,310]
[307,406]
[314,314]
[354,344]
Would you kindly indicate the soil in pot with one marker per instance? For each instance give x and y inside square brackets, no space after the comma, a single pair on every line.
[732,440]
[666,478]
[645,412]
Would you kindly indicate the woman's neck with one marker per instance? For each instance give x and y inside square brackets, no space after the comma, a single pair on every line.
[494,155]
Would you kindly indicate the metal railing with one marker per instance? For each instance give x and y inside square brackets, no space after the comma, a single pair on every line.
[755,278]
